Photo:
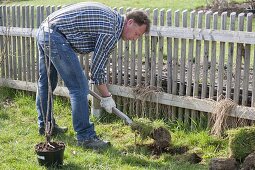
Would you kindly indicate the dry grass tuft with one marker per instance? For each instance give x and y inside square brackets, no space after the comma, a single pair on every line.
[220,115]
[147,93]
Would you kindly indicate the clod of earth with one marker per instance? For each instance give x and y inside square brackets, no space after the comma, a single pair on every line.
[159,133]
[241,142]
[223,164]
[249,162]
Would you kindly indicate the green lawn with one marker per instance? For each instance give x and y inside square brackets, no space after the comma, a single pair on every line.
[18,129]
[167,4]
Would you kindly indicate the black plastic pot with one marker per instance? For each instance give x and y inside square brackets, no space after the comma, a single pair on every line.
[50,157]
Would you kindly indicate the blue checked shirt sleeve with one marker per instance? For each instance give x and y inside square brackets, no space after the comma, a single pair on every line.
[105,43]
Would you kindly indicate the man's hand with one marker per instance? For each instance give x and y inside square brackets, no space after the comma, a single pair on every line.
[107,103]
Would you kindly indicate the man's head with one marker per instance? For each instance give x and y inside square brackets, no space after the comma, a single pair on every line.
[136,24]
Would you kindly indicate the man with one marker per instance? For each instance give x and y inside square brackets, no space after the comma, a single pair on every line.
[82,28]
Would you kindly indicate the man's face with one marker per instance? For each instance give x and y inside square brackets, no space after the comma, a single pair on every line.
[132,31]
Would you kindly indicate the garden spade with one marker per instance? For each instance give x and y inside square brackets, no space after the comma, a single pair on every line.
[114,109]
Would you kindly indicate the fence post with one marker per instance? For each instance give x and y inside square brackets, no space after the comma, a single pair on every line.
[96,109]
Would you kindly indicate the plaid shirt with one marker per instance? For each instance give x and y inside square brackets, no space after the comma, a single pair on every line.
[90,27]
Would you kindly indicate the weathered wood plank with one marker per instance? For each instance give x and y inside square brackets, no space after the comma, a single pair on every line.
[8,63]
[23,45]
[133,63]
[247,57]
[154,42]
[176,53]
[5,45]
[238,60]
[28,44]
[203,116]
[205,57]
[14,44]
[162,98]
[1,44]
[169,54]
[213,59]
[120,63]
[182,66]
[32,46]
[19,44]
[114,61]
[190,56]
[183,55]
[194,114]
[221,69]
[187,102]
[126,59]
[230,58]
[160,51]
[147,55]
[38,17]
[204,34]
[173,32]
[175,64]
[138,104]
[187,117]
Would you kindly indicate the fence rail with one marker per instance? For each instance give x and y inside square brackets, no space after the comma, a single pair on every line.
[186,63]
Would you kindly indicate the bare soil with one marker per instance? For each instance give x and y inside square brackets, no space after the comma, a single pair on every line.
[49,147]
[155,150]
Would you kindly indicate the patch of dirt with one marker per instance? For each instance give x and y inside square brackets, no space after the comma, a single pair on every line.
[7,102]
[181,151]
[155,150]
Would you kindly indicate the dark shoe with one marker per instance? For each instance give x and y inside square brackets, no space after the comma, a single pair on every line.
[94,143]
[56,130]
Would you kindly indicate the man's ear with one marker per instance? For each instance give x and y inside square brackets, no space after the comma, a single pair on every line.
[130,21]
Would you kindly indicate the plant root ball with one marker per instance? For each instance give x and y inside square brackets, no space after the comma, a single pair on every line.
[155,130]
[161,136]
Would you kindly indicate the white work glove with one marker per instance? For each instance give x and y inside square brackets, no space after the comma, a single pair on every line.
[107,103]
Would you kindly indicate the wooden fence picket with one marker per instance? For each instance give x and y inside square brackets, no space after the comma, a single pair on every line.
[194,114]
[5,43]
[33,45]
[239,52]
[230,58]
[190,76]
[14,38]
[120,65]
[246,70]
[175,64]
[147,56]
[8,46]
[213,59]
[1,44]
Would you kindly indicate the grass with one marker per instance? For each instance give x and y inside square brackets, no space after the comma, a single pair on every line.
[172,4]
[18,128]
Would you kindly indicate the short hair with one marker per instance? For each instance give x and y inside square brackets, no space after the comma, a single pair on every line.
[140,17]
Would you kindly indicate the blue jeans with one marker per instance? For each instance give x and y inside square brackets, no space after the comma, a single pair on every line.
[65,62]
